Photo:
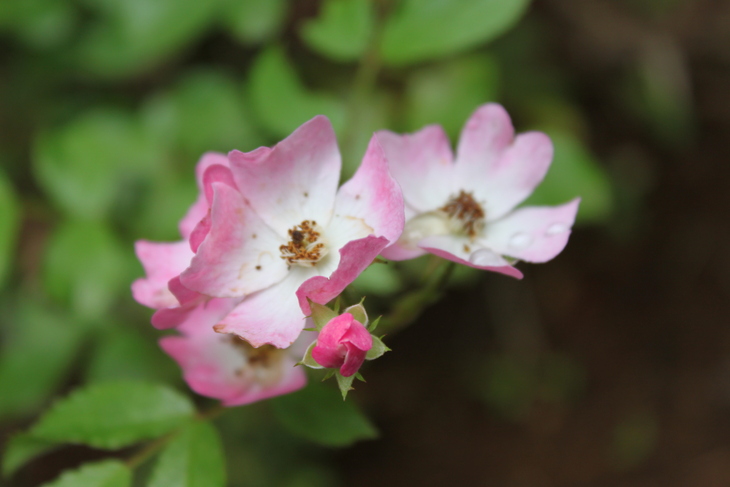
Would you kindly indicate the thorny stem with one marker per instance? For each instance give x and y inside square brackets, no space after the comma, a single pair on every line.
[153,447]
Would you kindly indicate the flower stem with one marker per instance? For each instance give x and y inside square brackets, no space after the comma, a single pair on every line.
[413,304]
[362,86]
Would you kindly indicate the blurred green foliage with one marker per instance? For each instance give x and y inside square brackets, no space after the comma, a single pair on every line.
[119,100]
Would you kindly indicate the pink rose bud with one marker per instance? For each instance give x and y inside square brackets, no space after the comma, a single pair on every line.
[343,344]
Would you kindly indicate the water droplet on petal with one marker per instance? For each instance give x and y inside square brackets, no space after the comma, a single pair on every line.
[556,228]
[520,241]
[485,257]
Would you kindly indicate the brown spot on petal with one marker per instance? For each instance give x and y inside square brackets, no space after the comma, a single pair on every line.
[219,328]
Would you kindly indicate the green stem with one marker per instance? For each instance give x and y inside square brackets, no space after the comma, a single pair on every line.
[413,304]
[362,86]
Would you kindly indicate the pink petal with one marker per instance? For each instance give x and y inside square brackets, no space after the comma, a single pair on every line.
[240,255]
[200,207]
[193,307]
[486,134]
[201,230]
[162,319]
[400,252]
[213,367]
[270,316]
[533,234]
[216,173]
[499,169]
[422,163]
[373,196]
[328,352]
[355,257]
[294,181]
[354,359]
[358,336]
[161,262]
[462,251]
[196,213]
[293,379]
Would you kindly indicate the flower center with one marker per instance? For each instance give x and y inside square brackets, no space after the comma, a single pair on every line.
[467,212]
[306,245]
[262,365]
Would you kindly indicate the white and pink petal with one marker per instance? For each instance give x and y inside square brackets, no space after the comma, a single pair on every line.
[295,180]
[161,262]
[533,234]
[240,254]
[422,163]
[462,250]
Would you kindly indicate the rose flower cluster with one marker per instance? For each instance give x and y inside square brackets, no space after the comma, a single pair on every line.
[271,239]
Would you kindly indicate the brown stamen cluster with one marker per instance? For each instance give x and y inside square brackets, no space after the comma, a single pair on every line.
[467,211]
[264,361]
[261,356]
[303,246]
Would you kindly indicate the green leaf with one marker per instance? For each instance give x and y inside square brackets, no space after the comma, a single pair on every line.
[20,449]
[9,224]
[87,267]
[87,165]
[204,112]
[107,473]
[122,352]
[155,213]
[575,172]
[317,414]
[254,21]
[281,101]
[38,347]
[344,383]
[447,93]
[128,37]
[428,29]
[342,30]
[379,348]
[194,458]
[321,314]
[113,415]
[41,24]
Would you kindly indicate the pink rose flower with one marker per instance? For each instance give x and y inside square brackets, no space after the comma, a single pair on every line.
[279,231]
[343,344]
[462,208]
[227,368]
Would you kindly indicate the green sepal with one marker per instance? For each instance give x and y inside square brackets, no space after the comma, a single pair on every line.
[345,383]
[374,324]
[358,312]
[308,360]
[330,373]
[321,314]
[359,377]
[377,350]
